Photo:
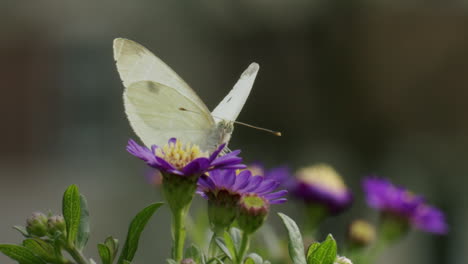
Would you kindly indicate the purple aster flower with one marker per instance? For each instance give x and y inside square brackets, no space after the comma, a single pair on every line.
[382,195]
[236,184]
[322,185]
[179,159]
[229,192]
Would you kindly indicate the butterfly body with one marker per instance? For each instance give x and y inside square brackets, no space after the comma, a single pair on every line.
[154,96]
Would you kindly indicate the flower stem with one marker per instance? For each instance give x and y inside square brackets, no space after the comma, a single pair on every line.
[243,248]
[77,255]
[179,234]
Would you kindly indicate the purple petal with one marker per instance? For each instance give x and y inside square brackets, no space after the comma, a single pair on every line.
[275,195]
[253,184]
[172,140]
[267,186]
[196,166]
[279,201]
[216,152]
[242,180]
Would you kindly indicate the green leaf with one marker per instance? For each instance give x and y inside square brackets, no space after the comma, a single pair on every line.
[230,244]
[171,261]
[134,231]
[71,210]
[236,236]
[223,247]
[295,244]
[40,248]
[22,230]
[105,254]
[20,254]
[312,248]
[83,230]
[215,260]
[128,262]
[113,246]
[255,258]
[249,261]
[325,253]
[194,253]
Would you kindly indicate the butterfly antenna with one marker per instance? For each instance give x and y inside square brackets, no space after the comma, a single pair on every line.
[276,133]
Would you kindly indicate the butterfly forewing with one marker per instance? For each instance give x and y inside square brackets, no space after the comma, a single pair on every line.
[135,63]
[232,104]
[153,111]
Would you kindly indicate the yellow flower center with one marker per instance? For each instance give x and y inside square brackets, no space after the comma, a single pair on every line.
[179,154]
[322,175]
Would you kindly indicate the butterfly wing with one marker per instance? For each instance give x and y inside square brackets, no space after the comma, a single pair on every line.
[232,104]
[135,63]
[153,111]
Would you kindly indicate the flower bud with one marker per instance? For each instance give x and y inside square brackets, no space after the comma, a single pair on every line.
[343,260]
[56,224]
[188,261]
[361,233]
[222,210]
[253,210]
[36,225]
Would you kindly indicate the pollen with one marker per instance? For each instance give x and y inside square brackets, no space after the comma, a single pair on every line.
[324,176]
[179,154]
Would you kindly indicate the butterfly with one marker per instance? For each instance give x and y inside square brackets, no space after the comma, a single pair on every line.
[160,105]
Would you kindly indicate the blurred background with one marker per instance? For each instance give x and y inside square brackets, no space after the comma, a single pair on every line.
[366,86]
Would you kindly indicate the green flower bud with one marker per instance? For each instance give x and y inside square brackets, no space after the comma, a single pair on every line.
[253,211]
[361,233]
[179,190]
[56,224]
[36,225]
[222,210]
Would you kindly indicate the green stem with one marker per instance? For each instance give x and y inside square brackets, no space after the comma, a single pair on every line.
[179,234]
[243,248]
[77,255]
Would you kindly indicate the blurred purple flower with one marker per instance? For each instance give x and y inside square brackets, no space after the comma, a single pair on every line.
[322,185]
[237,184]
[185,160]
[382,195]
[280,174]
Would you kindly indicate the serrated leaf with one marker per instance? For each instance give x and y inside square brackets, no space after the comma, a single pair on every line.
[40,248]
[295,244]
[105,254]
[311,248]
[230,244]
[325,253]
[71,210]
[223,247]
[255,258]
[194,253]
[134,231]
[20,254]
[83,230]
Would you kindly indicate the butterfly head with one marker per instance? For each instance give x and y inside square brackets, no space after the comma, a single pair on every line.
[225,129]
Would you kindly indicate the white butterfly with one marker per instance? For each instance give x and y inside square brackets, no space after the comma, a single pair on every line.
[154,96]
